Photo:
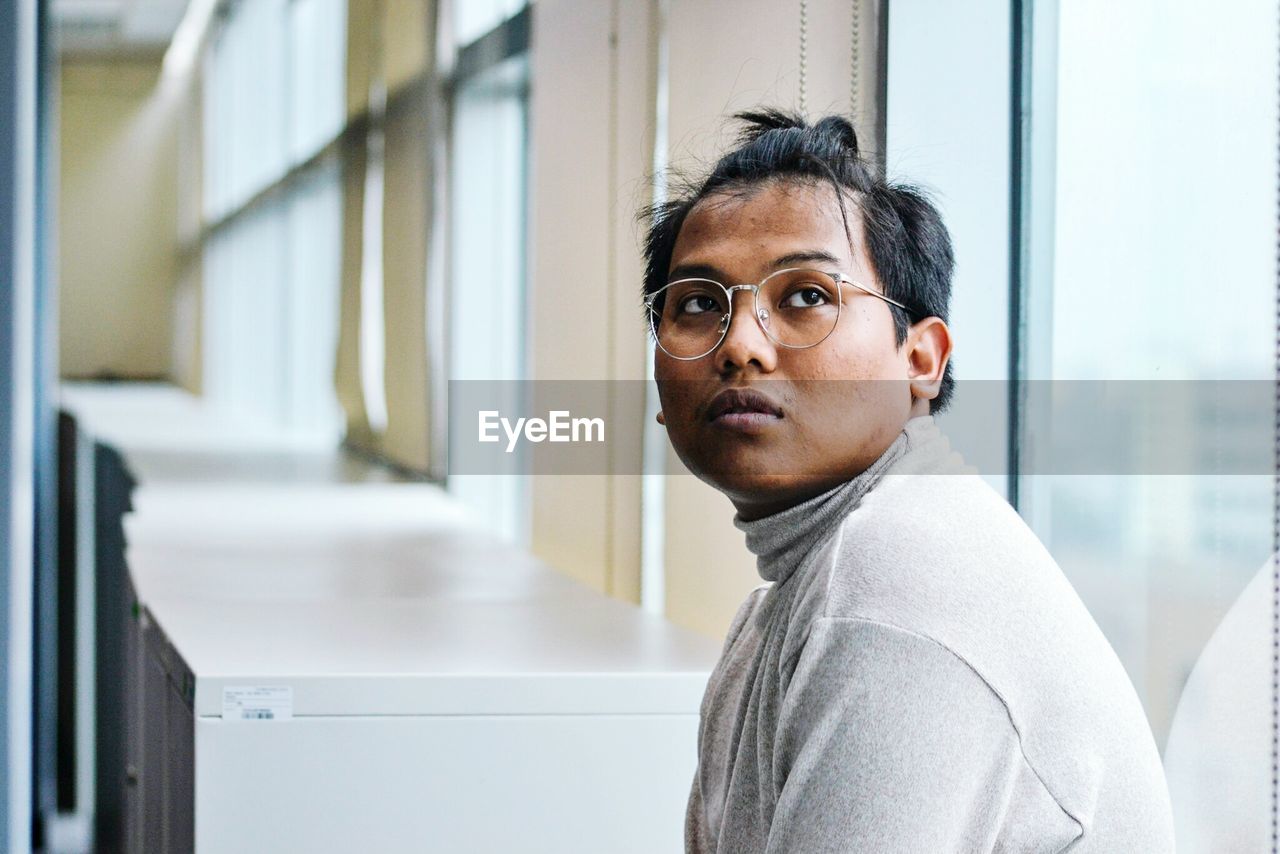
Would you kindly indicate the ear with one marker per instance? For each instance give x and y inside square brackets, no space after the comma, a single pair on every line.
[661,420]
[927,348]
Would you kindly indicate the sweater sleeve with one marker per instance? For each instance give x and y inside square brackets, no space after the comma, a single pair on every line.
[887,741]
[696,831]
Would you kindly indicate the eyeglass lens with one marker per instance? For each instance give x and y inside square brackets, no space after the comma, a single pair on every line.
[796,308]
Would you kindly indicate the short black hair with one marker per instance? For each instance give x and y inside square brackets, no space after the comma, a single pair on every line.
[907,242]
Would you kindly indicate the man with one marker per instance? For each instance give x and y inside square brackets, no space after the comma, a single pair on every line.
[917,675]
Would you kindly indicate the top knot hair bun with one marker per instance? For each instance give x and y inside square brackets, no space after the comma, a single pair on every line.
[834,130]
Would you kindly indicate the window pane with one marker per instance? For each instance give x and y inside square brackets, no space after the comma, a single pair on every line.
[245,89]
[245,276]
[274,92]
[1163,269]
[317,50]
[474,18]
[487,315]
[315,259]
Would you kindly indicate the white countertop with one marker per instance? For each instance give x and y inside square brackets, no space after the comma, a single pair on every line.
[365,597]
[435,656]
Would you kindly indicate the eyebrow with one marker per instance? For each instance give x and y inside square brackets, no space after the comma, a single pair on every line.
[711,271]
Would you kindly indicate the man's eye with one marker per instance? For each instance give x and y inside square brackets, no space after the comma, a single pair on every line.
[806,298]
[697,304]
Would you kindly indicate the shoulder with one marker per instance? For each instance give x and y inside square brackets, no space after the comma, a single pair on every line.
[905,710]
[946,557]
[927,549]
[939,515]
[842,653]
[946,560]
[888,677]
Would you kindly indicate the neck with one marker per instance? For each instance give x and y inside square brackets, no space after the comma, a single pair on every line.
[750,509]
[782,539]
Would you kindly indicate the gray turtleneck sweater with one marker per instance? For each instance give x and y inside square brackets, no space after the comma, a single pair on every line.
[919,676]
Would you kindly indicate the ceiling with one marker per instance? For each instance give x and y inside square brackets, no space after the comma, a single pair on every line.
[109,27]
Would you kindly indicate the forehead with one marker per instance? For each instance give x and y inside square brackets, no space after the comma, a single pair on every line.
[746,228]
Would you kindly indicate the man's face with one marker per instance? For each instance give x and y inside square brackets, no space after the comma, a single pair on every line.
[831,409]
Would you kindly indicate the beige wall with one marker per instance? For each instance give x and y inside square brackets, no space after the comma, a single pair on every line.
[118,219]
[389,43]
[406,214]
[187,368]
[727,56]
[591,136]
[592,115]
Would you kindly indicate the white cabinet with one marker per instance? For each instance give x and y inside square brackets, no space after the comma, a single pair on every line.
[418,725]
[428,688]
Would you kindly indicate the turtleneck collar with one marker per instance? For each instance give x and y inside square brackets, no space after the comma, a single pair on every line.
[782,540]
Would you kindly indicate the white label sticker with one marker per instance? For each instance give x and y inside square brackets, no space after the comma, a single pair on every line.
[257,703]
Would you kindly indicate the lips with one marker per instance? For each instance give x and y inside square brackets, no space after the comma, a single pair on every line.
[742,403]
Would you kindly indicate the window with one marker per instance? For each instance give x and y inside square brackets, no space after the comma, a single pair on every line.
[1151,247]
[488,186]
[1139,166]
[274,96]
[1160,267]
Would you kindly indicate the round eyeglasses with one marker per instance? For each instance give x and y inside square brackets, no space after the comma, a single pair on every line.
[796,308]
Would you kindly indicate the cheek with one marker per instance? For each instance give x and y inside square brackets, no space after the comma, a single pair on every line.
[858,382]
[863,347]
[666,368]
[678,383]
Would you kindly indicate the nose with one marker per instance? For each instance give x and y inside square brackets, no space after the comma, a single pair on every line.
[745,342]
